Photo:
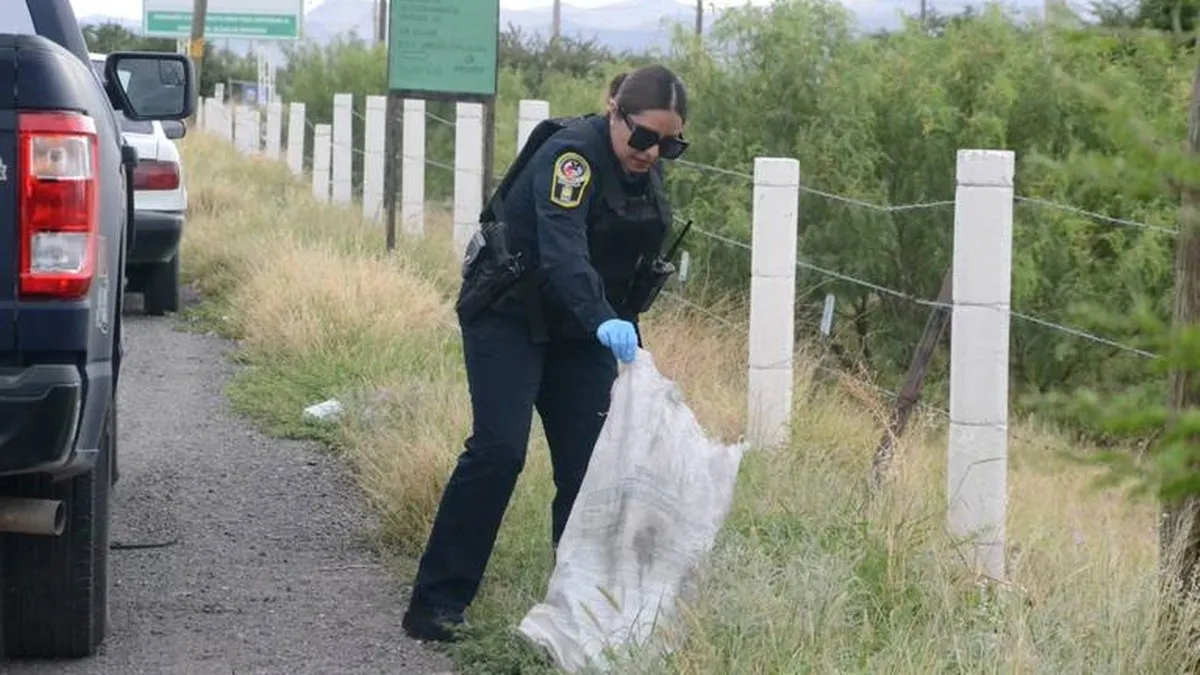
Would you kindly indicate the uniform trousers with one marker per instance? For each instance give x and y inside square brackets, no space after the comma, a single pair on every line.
[568,382]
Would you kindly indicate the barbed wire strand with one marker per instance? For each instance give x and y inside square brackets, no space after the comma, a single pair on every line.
[853,201]
[928,408]
[796,355]
[1070,330]
[884,208]
[1092,214]
[435,118]
[896,208]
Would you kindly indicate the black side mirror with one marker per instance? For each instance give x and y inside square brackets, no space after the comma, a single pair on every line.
[151,85]
[174,129]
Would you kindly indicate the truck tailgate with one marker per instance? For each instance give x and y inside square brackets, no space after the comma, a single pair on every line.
[8,202]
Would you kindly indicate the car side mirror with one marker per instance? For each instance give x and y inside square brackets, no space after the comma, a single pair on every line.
[151,85]
[174,129]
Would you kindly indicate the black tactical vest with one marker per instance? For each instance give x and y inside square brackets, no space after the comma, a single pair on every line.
[627,224]
[625,228]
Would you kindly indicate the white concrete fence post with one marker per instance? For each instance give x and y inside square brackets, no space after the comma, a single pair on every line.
[468,172]
[241,129]
[772,299]
[343,148]
[977,466]
[206,122]
[412,180]
[374,136]
[322,135]
[247,131]
[530,112]
[274,129]
[295,138]
[255,140]
[214,121]
[234,112]
[227,120]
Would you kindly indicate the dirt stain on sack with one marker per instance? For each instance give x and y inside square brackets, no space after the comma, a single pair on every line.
[645,545]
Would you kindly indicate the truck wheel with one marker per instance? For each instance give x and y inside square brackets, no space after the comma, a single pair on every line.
[160,291]
[55,600]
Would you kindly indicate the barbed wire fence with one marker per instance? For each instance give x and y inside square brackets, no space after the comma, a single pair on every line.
[678,294]
[863,379]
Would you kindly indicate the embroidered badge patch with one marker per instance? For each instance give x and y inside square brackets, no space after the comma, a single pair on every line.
[571,175]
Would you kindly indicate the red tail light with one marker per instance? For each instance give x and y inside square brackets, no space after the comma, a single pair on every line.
[57,205]
[151,174]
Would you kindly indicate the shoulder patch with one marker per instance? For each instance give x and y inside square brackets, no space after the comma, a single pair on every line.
[571,175]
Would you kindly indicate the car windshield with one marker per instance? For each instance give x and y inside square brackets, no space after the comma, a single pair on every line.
[127,125]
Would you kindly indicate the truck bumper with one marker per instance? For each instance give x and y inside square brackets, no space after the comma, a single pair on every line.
[156,236]
[48,418]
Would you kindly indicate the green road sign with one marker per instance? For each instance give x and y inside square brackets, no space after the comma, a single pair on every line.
[444,46]
[223,25]
[236,19]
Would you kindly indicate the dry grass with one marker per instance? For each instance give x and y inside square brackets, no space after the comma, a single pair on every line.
[808,575]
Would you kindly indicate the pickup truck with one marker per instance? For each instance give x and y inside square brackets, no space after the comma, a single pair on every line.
[66,212]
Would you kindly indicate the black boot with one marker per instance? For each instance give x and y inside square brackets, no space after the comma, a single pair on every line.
[432,625]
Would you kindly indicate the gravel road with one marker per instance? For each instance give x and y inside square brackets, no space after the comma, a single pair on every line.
[271,572]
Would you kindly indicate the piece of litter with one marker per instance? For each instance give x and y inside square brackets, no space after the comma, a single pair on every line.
[324,411]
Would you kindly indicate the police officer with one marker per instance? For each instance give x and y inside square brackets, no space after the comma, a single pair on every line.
[586,213]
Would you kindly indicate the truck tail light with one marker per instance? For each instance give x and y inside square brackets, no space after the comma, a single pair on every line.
[152,174]
[57,203]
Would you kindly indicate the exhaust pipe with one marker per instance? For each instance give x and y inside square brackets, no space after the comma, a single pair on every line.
[32,516]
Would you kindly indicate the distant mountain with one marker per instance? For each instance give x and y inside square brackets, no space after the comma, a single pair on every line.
[335,17]
[633,24]
[625,25]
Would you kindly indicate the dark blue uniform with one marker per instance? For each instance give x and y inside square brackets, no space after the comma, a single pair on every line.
[582,224]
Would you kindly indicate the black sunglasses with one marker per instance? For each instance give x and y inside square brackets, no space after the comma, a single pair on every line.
[642,139]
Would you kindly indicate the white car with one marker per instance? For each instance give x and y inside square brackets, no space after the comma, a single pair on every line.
[160,205]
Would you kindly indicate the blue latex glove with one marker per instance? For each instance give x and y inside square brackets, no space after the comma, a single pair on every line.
[620,337]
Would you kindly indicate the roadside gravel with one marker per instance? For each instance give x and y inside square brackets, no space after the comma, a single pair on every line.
[271,570]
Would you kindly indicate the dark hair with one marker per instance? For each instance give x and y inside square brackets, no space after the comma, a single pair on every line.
[650,88]
[615,85]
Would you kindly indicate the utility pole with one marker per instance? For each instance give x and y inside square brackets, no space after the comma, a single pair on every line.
[699,18]
[556,25]
[199,16]
[1180,520]
[381,23]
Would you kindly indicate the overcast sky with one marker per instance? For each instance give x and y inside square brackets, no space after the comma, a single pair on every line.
[133,8]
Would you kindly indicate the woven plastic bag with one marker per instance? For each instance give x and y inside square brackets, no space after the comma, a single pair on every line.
[656,493]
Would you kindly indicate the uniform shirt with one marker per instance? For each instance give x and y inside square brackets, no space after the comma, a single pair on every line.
[547,207]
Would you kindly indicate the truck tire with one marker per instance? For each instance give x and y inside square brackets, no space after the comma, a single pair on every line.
[55,599]
[160,287]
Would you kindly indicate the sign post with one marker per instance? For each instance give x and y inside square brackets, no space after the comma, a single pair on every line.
[439,50]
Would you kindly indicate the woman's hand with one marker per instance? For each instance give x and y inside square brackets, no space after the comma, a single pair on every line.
[620,337]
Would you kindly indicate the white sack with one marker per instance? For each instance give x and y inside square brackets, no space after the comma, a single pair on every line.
[656,492]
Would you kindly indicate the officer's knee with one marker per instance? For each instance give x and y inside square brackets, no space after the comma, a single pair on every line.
[502,458]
